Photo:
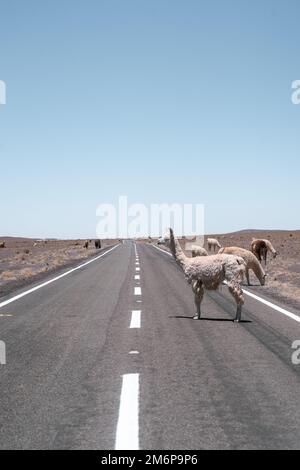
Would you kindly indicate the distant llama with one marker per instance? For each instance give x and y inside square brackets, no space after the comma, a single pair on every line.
[260,248]
[250,260]
[213,243]
[97,244]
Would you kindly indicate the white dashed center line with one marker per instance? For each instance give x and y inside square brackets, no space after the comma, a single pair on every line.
[137,291]
[127,437]
[135,319]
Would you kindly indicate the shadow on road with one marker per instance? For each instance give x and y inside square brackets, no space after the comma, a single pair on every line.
[210,319]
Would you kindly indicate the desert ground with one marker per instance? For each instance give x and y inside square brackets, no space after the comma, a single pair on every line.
[24,260]
[283,272]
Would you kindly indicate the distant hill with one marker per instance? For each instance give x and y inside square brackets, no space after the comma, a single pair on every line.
[255,230]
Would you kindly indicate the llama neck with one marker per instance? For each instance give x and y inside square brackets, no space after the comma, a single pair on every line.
[258,270]
[270,247]
[177,251]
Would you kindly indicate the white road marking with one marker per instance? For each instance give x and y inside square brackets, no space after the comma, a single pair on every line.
[127,436]
[137,269]
[256,297]
[134,352]
[137,291]
[137,276]
[160,249]
[275,307]
[137,263]
[135,319]
[19,296]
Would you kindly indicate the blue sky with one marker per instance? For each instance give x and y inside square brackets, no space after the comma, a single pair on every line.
[162,101]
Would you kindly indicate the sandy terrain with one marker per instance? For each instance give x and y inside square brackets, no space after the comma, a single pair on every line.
[283,280]
[25,260]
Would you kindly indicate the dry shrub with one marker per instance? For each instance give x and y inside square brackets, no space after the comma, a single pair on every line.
[25,273]
[8,276]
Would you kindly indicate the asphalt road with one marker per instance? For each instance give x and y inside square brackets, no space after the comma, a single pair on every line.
[209,384]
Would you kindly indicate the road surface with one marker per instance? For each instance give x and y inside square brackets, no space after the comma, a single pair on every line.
[108,357]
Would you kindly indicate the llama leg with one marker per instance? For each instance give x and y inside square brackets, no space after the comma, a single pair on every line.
[238,314]
[237,293]
[198,308]
[257,254]
[247,276]
[199,291]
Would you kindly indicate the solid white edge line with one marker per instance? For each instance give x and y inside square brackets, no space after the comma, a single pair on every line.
[19,296]
[274,306]
[135,319]
[256,297]
[164,251]
[127,435]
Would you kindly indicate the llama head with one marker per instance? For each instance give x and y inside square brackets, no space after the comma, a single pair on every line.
[263,279]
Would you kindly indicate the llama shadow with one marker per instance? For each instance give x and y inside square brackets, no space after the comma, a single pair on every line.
[210,319]
[252,285]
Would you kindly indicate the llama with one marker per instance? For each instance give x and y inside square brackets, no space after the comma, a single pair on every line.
[208,272]
[97,244]
[250,260]
[213,242]
[260,248]
[2,244]
[198,251]
[86,244]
